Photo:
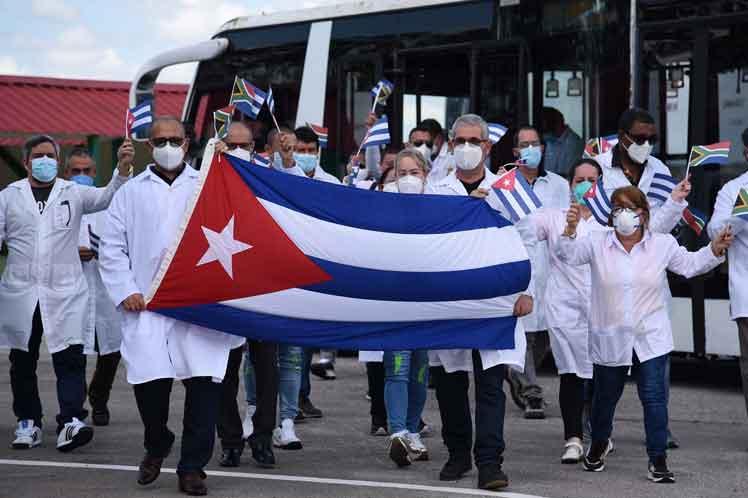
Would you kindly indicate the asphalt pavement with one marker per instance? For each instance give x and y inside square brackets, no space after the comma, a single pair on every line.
[340,458]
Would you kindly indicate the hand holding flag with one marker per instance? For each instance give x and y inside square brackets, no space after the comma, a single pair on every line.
[723,241]
[573,215]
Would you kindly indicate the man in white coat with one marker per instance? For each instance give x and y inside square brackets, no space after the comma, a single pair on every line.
[553,192]
[43,290]
[737,257]
[471,148]
[140,231]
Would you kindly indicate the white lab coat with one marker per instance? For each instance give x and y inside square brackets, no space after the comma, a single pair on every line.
[461,359]
[140,230]
[104,319]
[442,165]
[553,192]
[628,305]
[43,263]
[738,253]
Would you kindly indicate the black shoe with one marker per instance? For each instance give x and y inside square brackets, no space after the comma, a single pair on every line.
[594,460]
[323,370]
[492,477]
[658,471]
[308,410]
[456,467]
[262,450]
[378,430]
[515,390]
[100,415]
[149,469]
[534,409]
[193,483]
[230,457]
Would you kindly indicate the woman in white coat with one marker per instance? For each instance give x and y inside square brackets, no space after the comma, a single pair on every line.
[140,232]
[43,291]
[629,322]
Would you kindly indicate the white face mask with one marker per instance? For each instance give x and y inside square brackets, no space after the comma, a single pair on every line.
[410,185]
[626,222]
[468,156]
[168,156]
[425,151]
[639,153]
[390,187]
[242,154]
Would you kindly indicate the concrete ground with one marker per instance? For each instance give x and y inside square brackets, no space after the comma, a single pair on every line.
[340,459]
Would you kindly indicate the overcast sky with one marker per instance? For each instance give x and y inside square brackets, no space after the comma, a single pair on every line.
[109,40]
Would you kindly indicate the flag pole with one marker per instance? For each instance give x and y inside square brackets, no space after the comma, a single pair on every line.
[688,166]
[127,128]
[374,105]
[272,114]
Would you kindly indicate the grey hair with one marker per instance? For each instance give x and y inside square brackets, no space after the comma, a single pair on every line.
[470,120]
[415,155]
[38,140]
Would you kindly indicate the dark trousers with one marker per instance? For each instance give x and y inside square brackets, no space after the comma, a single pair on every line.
[375,377]
[264,357]
[571,401]
[490,405]
[201,405]
[70,370]
[103,378]
[229,421]
[609,384]
[306,385]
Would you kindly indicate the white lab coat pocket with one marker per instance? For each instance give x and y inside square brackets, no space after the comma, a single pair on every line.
[16,276]
[63,215]
[65,275]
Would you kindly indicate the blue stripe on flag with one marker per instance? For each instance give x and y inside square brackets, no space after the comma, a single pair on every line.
[479,333]
[522,204]
[513,214]
[364,283]
[395,213]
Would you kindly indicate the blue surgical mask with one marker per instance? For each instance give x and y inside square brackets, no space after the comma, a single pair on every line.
[84,180]
[307,162]
[277,161]
[581,189]
[44,169]
[531,156]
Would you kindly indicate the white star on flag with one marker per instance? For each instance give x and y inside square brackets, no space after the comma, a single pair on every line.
[222,247]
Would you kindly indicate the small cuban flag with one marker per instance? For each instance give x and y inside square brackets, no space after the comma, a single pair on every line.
[321,132]
[741,205]
[222,121]
[661,187]
[516,195]
[247,97]
[599,145]
[260,160]
[138,120]
[694,219]
[270,101]
[709,154]
[382,90]
[379,134]
[496,131]
[597,201]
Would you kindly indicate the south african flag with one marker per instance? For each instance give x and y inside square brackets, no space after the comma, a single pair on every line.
[222,121]
[741,205]
[709,154]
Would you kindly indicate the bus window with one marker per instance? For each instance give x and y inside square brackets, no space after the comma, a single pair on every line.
[733,116]
[443,109]
[565,90]
[677,94]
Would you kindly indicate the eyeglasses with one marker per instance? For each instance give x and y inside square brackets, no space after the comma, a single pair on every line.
[471,141]
[524,145]
[248,146]
[161,141]
[618,210]
[418,143]
[640,139]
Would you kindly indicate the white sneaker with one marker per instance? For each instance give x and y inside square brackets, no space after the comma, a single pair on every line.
[28,435]
[73,435]
[284,437]
[416,446]
[247,425]
[573,451]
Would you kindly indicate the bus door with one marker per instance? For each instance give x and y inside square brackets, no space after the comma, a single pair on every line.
[444,81]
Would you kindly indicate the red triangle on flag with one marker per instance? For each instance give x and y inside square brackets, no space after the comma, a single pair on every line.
[591,192]
[506,181]
[260,256]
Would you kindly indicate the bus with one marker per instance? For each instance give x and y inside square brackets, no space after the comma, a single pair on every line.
[505,60]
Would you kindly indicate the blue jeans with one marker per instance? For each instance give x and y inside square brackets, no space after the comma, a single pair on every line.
[406,379]
[306,386]
[290,368]
[652,389]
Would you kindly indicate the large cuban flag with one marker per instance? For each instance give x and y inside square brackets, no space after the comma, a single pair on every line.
[280,257]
